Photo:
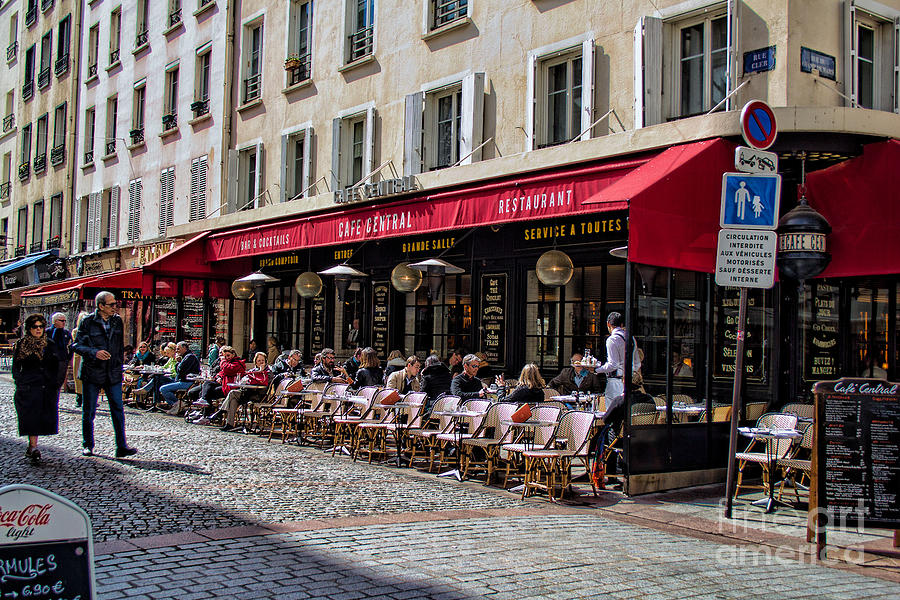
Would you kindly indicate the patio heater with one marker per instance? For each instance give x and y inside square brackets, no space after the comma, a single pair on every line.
[436,269]
[343,276]
[250,286]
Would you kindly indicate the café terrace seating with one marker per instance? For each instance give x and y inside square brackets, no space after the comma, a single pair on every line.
[318,421]
[528,438]
[421,439]
[797,466]
[759,451]
[373,437]
[350,416]
[479,452]
[550,468]
[447,442]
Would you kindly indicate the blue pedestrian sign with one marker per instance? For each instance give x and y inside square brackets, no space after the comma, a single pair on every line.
[750,200]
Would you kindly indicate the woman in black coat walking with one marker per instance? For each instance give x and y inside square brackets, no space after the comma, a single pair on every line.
[34,369]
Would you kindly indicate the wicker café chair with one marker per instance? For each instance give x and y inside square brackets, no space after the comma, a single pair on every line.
[798,466]
[374,436]
[369,431]
[290,415]
[549,392]
[754,410]
[443,442]
[536,438]
[317,422]
[480,452]
[550,469]
[344,424]
[421,438]
[780,450]
[803,411]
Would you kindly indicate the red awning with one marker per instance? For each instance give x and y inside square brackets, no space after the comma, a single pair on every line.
[861,201]
[542,196]
[129,279]
[674,201]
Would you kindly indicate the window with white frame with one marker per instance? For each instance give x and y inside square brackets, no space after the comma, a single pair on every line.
[200,105]
[26,145]
[701,55]
[444,12]
[139,103]
[112,110]
[166,200]
[360,29]
[252,53]
[134,210]
[92,217]
[170,99]
[199,168]
[298,63]
[93,51]
[22,232]
[142,24]
[871,57]
[37,227]
[296,164]
[174,13]
[560,87]
[90,119]
[79,224]
[115,34]
[353,148]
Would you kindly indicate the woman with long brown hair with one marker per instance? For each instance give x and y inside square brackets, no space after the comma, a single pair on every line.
[34,369]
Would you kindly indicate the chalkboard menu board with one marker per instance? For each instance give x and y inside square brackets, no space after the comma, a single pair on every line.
[493,318]
[317,319]
[192,323]
[381,310]
[726,333]
[822,349]
[166,319]
[859,450]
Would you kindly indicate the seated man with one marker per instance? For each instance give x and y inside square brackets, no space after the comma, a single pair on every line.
[466,385]
[576,377]
[406,379]
[188,364]
[292,368]
[327,372]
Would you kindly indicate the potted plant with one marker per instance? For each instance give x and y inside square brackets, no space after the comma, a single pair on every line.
[292,62]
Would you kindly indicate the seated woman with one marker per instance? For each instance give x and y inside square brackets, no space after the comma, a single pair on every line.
[167,362]
[258,375]
[369,372]
[231,367]
[143,357]
[531,386]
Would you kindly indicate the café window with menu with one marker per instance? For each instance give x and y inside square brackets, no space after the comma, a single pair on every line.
[441,324]
[285,317]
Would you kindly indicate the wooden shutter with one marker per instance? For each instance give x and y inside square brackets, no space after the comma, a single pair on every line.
[285,164]
[92,222]
[647,72]
[259,184]
[412,134]
[895,46]
[134,210]
[731,59]
[587,87]
[850,52]
[203,190]
[114,216]
[76,226]
[472,117]
[198,188]
[166,200]
[336,154]
[530,101]
[195,184]
[369,149]
[307,162]
[231,188]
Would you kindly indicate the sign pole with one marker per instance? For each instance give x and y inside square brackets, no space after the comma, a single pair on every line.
[735,401]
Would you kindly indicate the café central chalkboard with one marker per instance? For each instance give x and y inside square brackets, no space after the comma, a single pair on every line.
[493,318]
[381,309]
[45,546]
[317,318]
[858,440]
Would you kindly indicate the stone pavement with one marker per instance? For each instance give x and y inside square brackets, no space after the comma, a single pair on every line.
[203,514]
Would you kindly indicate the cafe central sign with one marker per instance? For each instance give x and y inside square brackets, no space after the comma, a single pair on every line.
[379,189]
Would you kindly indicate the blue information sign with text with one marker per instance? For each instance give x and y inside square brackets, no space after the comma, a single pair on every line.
[750,200]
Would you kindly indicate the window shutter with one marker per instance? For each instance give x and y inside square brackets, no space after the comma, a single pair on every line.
[412,134]
[195,189]
[203,169]
[260,175]
[587,87]
[170,198]
[369,149]
[850,52]
[89,233]
[134,210]
[76,226]
[472,117]
[98,219]
[166,200]
[647,72]
[284,171]
[307,161]
[336,154]
[114,216]
[232,182]
[530,101]
[895,88]
[162,203]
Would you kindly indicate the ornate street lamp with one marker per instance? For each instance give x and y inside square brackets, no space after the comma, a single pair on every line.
[554,268]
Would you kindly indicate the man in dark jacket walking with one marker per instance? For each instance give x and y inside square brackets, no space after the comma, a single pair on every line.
[61,337]
[99,341]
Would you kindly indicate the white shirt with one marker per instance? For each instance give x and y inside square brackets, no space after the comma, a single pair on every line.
[615,354]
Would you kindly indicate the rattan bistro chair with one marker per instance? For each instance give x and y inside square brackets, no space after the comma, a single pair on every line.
[550,469]
[421,439]
[444,442]
[537,438]
[752,454]
[479,452]
[344,425]
[798,466]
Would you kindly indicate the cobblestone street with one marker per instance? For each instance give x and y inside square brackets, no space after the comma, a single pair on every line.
[200,514]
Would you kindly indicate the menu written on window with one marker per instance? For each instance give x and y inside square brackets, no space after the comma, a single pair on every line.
[166,319]
[822,349]
[726,334]
[317,335]
[192,323]
[493,318]
[861,435]
[381,310]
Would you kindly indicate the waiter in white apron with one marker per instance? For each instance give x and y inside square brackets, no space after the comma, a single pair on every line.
[614,367]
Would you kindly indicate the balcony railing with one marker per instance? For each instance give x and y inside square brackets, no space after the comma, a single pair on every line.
[57,154]
[298,69]
[24,171]
[28,90]
[141,38]
[31,15]
[21,250]
[53,242]
[4,189]
[361,43]
[110,147]
[203,3]
[169,121]
[88,157]
[174,18]
[9,121]
[447,11]
[61,65]
[11,51]
[44,77]
[252,87]
[92,70]
[40,162]
[200,108]
[36,246]
[45,5]
[137,136]
[113,56]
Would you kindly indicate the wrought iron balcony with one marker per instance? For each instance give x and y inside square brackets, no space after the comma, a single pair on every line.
[24,171]
[169,121]
[9,121]
[113,56]
[142,38]
[298,69]
[11,51]
[174,18]
[28,90]
[92,70]
[44,78]
[57,154]
[61,65]
[53,242]
[45,5]
[447,11]
[361,43]
[204,3]
[110,147]
[36,246]
[4,189]
[88,157]
[252,87]
[40,162]
[200,108]
[21,250]
[31,15]
[137,136]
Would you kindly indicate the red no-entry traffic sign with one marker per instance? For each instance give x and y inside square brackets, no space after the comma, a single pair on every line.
[758,124]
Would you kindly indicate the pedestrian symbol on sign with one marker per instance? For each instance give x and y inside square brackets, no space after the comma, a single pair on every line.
[750,200]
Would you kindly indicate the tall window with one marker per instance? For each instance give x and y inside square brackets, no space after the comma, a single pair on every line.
[702,58]
[137,113]
[251,180]
[201,81]
[296,159]
[352,148]
[63,42]
[40,144]
[560,93]
[299,42]
[56,208]
[447,127]
[90,117]
[174,13]
[115,34]
[563,116]
[93,50]
[57,152]
[253,39]
[37,227]
[360,29]
[13,46]
[112,108]
[170,102]
[46,60]
[166,200]
[26,144]
[199,167]
[142,24]
[28,84]
[134,210]
[22,232]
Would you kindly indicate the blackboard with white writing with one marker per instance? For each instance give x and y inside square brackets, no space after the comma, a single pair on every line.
[57,570]
[317,312]
[381,309]
[493,318]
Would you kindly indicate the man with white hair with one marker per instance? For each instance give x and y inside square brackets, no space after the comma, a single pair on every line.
[60,336]
[99,341]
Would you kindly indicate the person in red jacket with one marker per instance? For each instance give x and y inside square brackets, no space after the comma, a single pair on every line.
[258,375]
[231,367]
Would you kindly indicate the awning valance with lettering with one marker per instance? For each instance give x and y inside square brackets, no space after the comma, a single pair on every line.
[861,200]
[674,201]
[558,194]
[79,288]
